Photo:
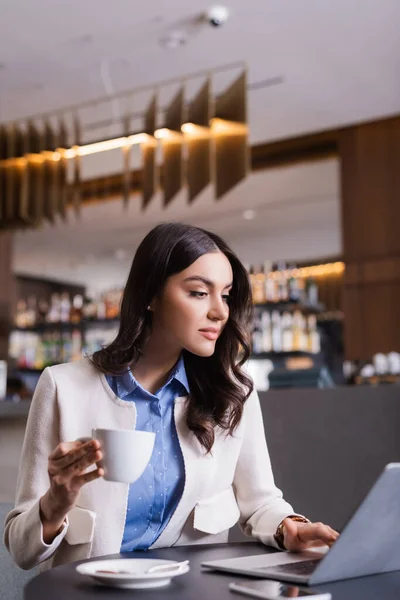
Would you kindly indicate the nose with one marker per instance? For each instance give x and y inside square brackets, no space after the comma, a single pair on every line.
[219,310]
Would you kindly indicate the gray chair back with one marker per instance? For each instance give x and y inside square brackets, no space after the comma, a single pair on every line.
[12,578]
[327,447]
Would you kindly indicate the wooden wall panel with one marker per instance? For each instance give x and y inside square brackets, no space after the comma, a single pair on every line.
[7,291]
[370,160]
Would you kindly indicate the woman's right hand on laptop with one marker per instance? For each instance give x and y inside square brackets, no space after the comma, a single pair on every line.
[302,536]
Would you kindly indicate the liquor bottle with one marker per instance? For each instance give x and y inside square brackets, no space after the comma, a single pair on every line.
[312,291]
[256,336]
[251,279]
[276,331]
[259,287]
[90,310]
[112,301]
[303,333]
[266,332]
[20,317]
[42,310]
[298,343]
[301,286]
[294,294]
[76,309]
[287,332]
[65,308]
[31,312]
[54,314]
[283,292]
[314,341]
[101,308]
[270,285]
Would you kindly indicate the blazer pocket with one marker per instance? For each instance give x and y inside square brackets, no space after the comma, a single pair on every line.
[81,522]
[218,513]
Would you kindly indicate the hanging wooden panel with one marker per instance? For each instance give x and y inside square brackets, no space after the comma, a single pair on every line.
[126,154]
[10,215]
[50,174]
[172,146]
[12,179]
[21,179]
[3,156]
[35,174]
[230,133]
[198,142]
[148,151]
[76,185]
[62,185]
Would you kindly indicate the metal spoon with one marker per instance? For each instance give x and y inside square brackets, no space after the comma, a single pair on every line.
[155,569]
[167,567]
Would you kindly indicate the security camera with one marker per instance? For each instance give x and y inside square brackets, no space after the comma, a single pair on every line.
[217,15]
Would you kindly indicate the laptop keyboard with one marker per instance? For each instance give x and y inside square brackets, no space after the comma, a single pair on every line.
[305,567]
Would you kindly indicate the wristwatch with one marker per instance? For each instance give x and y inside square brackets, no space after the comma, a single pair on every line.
[279,535]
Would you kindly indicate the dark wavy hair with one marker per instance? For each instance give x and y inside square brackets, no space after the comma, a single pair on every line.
[218,385]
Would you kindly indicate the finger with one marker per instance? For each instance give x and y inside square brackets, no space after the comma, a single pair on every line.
[62,449]
[65,455]
[290,528]
[82,464]
[91,476]
[308,532]
[334,532]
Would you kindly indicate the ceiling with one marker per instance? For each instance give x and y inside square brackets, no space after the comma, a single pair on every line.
[327,63]
[339,62]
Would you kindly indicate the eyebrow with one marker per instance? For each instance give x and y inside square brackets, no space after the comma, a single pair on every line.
[206,281]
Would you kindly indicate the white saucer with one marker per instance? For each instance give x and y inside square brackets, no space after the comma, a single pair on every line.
[137,578]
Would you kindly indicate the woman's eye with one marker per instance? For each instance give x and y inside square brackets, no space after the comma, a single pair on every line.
[198,294]
[227,298]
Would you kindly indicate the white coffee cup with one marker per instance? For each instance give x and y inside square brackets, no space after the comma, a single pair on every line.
[126,452]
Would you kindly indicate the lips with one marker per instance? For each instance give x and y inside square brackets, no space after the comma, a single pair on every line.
[210,333]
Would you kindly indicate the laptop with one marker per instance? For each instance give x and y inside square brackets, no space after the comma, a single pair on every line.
[369,544]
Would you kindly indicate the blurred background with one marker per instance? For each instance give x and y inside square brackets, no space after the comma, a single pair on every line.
[274,124]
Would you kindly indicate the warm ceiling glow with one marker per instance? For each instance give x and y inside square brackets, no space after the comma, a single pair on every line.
[102,146]
[35,158]
[189,129]
[140,138]
[122,142]
[336,268]
[167,134]
[56,156]
[192,130]
[225,127]
[162,134]
[322,270]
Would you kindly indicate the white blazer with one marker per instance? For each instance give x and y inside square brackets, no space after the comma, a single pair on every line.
[233,483]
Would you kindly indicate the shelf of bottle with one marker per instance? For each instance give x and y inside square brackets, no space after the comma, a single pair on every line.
[32,371]
[289,306]
[43,327]
[283,354]
[262,355]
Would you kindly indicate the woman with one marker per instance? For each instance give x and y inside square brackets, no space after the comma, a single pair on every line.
[173,369]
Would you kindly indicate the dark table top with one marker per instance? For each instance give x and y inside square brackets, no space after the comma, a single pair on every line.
[64,583]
